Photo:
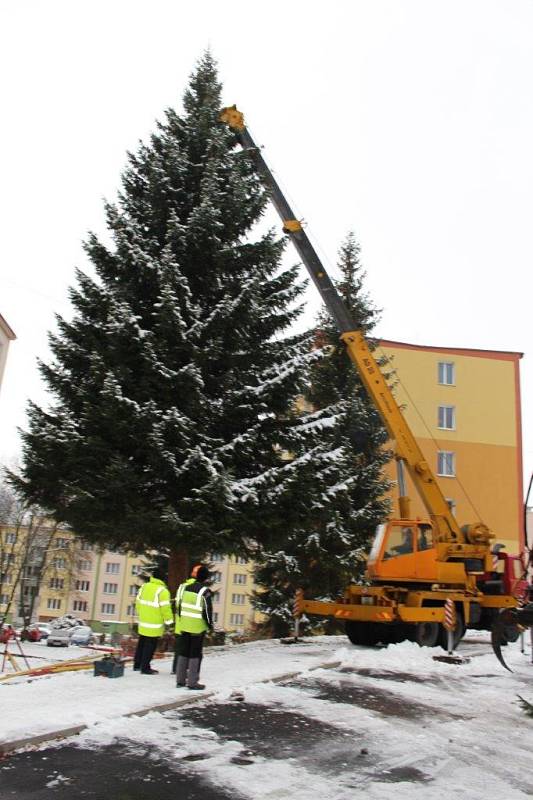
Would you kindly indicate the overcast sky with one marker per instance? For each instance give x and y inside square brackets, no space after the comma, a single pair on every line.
[408,121]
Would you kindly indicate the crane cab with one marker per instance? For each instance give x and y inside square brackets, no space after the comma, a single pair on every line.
[404,550]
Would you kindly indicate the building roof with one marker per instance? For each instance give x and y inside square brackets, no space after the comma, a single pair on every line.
[505,355]
[7,330]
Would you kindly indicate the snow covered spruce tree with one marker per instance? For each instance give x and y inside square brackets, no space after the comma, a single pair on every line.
[176,375]
[331,493]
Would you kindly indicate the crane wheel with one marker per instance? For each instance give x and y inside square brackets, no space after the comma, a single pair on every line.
[458,633]
[426,634]
[362,633]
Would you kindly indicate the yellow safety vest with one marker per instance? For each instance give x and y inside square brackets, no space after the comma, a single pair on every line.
[189,609]
[153,608]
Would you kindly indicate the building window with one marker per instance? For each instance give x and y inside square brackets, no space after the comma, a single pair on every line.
[236,619]
[4,599]
[54,603]
[79,605]
[56,583]
[133,590]
[447,373]
[446,464]
[216,557]
[86,547]
[62,544]
[447,418]
[82,586]
[240,577]
[452,505]
[130,611]
[6,577]
[215,616]
[112,567]
[110,588]
[11,538]
[85,566]
[238,599]
[240,560]
[59,563]
[108,608]
[215,597]
[217,577]
[136,569]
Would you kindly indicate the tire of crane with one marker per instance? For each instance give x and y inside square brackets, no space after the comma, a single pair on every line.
[362,633]
[512,633]
[458,633]
[427,634]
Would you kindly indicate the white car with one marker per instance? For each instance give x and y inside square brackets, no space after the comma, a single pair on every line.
[59,637]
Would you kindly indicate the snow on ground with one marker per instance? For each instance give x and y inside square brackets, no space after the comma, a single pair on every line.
[465,730]
[78,698]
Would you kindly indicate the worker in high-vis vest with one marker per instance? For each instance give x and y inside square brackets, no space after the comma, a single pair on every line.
[194,617]
[154,612]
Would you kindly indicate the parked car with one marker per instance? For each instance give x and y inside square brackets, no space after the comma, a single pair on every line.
[83,635]
[31,634]
[44,628]
[59,637]
[8,632]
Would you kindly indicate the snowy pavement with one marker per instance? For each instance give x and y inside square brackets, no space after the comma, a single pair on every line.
[380,724]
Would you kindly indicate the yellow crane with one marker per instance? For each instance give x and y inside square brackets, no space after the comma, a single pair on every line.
[414,565]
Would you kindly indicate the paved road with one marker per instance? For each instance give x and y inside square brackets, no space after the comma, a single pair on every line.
[306,723]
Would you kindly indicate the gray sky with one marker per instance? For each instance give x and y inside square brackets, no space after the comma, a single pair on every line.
[408,121]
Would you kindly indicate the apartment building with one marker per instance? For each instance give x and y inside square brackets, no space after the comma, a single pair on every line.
[101,587]
[232,589]
[463,407]
[6,336]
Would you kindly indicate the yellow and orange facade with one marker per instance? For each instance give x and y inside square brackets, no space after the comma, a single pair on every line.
[463,406]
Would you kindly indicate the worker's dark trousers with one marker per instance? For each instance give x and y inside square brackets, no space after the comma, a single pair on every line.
[189,650]
[144,652]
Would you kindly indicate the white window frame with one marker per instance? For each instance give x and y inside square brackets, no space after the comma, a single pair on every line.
[82,586]
[216,577]
[446,464]
[53,603]
[130,611]
[112,568]
[443,369]
[85,566]
[442,418]
[452,505]
[105,606]
[238,599]
[11,537]
[80,605]
[240,578]
[110,588]
[236,619]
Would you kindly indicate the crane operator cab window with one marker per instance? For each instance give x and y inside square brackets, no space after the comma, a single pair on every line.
[400,541]
[425,537]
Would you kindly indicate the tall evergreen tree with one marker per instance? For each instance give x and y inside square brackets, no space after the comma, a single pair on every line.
[176,375]
[332,492]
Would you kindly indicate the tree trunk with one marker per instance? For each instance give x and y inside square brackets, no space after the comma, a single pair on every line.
[178,569]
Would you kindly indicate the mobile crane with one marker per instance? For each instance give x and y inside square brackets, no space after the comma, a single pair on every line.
[414,565]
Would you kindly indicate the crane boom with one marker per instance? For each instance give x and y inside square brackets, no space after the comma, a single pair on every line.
[407,448]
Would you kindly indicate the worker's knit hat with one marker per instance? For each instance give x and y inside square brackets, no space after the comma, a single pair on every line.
[200,572]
